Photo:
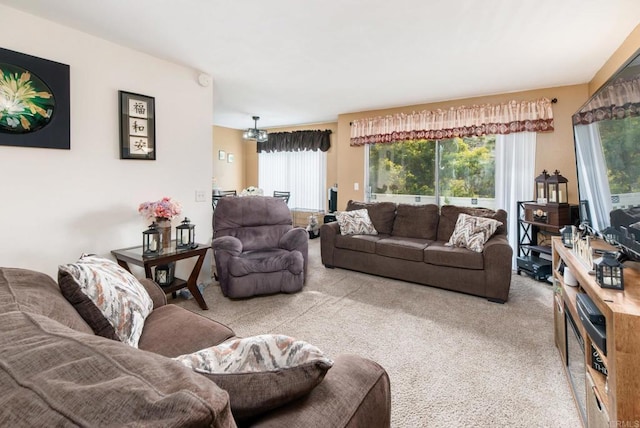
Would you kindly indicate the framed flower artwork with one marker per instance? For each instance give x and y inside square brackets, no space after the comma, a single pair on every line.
[34,102]
[137,126]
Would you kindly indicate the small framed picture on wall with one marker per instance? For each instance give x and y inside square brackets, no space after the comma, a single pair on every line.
[137,126]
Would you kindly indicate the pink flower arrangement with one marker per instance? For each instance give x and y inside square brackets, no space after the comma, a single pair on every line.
[164,208]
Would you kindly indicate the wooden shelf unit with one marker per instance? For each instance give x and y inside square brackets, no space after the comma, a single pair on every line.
[618,391]
[534,235]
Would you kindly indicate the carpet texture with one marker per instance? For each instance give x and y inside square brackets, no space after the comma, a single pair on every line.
[454,360]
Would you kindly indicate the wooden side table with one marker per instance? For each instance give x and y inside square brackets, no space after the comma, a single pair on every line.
[134,255]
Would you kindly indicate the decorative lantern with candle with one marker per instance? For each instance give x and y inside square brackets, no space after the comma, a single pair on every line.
[165,274]
[151,240]
[609,272]
[557,189]
[567,235]
[185,235]
[541,187]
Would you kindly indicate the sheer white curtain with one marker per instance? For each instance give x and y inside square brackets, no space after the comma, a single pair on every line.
[301,173]
[515,174]
[593,180]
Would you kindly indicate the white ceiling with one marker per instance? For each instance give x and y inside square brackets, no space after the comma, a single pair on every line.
[306,61]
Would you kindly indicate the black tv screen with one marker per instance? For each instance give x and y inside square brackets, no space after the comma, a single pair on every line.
[607,146]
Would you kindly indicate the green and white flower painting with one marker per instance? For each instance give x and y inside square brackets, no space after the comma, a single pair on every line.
[26,102]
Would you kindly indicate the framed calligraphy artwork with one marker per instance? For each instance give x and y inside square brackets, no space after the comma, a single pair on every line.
[137,126]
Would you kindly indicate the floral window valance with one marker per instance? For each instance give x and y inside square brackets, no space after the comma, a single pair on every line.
[616,101]
[296,141]
[505,118]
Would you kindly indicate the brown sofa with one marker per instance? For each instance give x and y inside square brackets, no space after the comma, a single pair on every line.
[410,246]
[54,371]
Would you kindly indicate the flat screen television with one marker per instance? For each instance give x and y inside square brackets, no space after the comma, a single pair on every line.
[606,133]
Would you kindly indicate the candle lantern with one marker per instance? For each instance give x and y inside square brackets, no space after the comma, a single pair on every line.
[541,187]
[185,235]
[567,235]
[609,272]
[557,189]
[165,274]
[151,240]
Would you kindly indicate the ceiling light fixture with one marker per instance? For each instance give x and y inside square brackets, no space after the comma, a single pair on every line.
[260,135]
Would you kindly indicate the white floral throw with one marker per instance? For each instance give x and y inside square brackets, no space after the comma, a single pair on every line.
[473,232]
[119,296]
[254,354]
[355,222]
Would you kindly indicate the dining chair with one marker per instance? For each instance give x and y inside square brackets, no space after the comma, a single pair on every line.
[282,194]
[215,197]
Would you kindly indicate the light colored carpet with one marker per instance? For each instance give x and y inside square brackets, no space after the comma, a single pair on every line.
[454,360]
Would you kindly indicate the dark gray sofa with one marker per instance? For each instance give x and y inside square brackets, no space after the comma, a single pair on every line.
[54,371]
[410,246]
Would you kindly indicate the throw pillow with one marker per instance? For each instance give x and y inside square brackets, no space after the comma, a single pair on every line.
[356,222]
[109,298]
[472,232]
[261,373]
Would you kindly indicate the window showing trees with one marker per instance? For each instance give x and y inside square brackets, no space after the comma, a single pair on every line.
[457,171]
[620,146]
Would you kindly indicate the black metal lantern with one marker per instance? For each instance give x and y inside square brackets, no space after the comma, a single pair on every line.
[567,235]
[557,189]
[151,240]
[185,235]
[541,187]
[165,274]
[609,272]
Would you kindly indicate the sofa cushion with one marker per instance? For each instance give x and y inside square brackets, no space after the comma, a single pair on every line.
[439,254]
[30,291]
[110,299]
[416,221]
[355,222]
[265,261]
[51,375]
[189,332]
[472,232]
[381,214]
[262,372]
[449,217]
[402,248]
[362,243]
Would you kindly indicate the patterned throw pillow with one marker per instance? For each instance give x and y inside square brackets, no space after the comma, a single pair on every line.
[110,299]
[261,373]
[472,232]
[356,222]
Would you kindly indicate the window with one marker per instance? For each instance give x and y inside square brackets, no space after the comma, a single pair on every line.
[457,171]
[303,173]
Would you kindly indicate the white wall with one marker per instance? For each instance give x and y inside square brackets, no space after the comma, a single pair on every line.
[57,204]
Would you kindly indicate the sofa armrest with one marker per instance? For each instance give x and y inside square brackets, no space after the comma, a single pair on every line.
[225,248]
[359,385]
[230,244]
[497,264]
[157,294]
[328,233]
[294,239]
[297,239]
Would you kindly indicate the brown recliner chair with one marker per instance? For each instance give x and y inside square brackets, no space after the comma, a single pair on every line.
[256,248]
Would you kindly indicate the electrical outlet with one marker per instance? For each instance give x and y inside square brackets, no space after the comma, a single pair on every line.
[356,186]
[201,196]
